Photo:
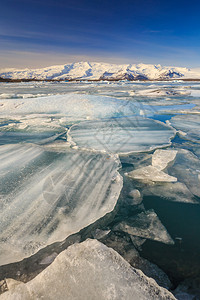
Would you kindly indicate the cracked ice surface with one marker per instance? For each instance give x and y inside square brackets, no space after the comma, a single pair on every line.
[121,135]
[46,196]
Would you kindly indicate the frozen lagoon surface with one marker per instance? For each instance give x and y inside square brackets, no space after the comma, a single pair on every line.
[120,157]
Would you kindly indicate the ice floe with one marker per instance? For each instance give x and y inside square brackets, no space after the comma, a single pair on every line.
[46,196]
[121,135]
[89,270]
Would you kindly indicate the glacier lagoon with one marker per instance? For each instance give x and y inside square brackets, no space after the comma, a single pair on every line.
[114,161]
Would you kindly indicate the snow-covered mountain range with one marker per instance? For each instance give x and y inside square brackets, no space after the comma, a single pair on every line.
[102,71]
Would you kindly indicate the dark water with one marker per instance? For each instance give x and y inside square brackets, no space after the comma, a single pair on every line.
[183,223]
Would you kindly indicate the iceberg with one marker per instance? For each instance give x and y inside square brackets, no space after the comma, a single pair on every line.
[46,195]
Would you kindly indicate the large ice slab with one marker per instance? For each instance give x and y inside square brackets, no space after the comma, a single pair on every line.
[89,270]
[188,126]
[121,135]
[45,196]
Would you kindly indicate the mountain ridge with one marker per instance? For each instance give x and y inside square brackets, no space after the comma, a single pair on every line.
[101,71]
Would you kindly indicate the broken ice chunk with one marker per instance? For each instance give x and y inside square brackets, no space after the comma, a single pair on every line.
[134,197]
[151,173]
[137,241]
[161,158]
[176,191]
[146,225]
[187,169]
[188,125]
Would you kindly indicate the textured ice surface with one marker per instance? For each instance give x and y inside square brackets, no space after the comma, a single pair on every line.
[160,160]
[121,135]
[146,225]
[89,270]
[188,126]
[46,196]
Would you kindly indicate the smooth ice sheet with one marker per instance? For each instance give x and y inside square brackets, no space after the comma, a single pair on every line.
[121,135]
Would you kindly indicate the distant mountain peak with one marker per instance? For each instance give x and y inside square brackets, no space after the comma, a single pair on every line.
[102,71]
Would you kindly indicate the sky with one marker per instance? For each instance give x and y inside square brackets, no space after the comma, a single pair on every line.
[39,33]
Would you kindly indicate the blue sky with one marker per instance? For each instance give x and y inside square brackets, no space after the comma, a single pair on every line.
[38,33]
